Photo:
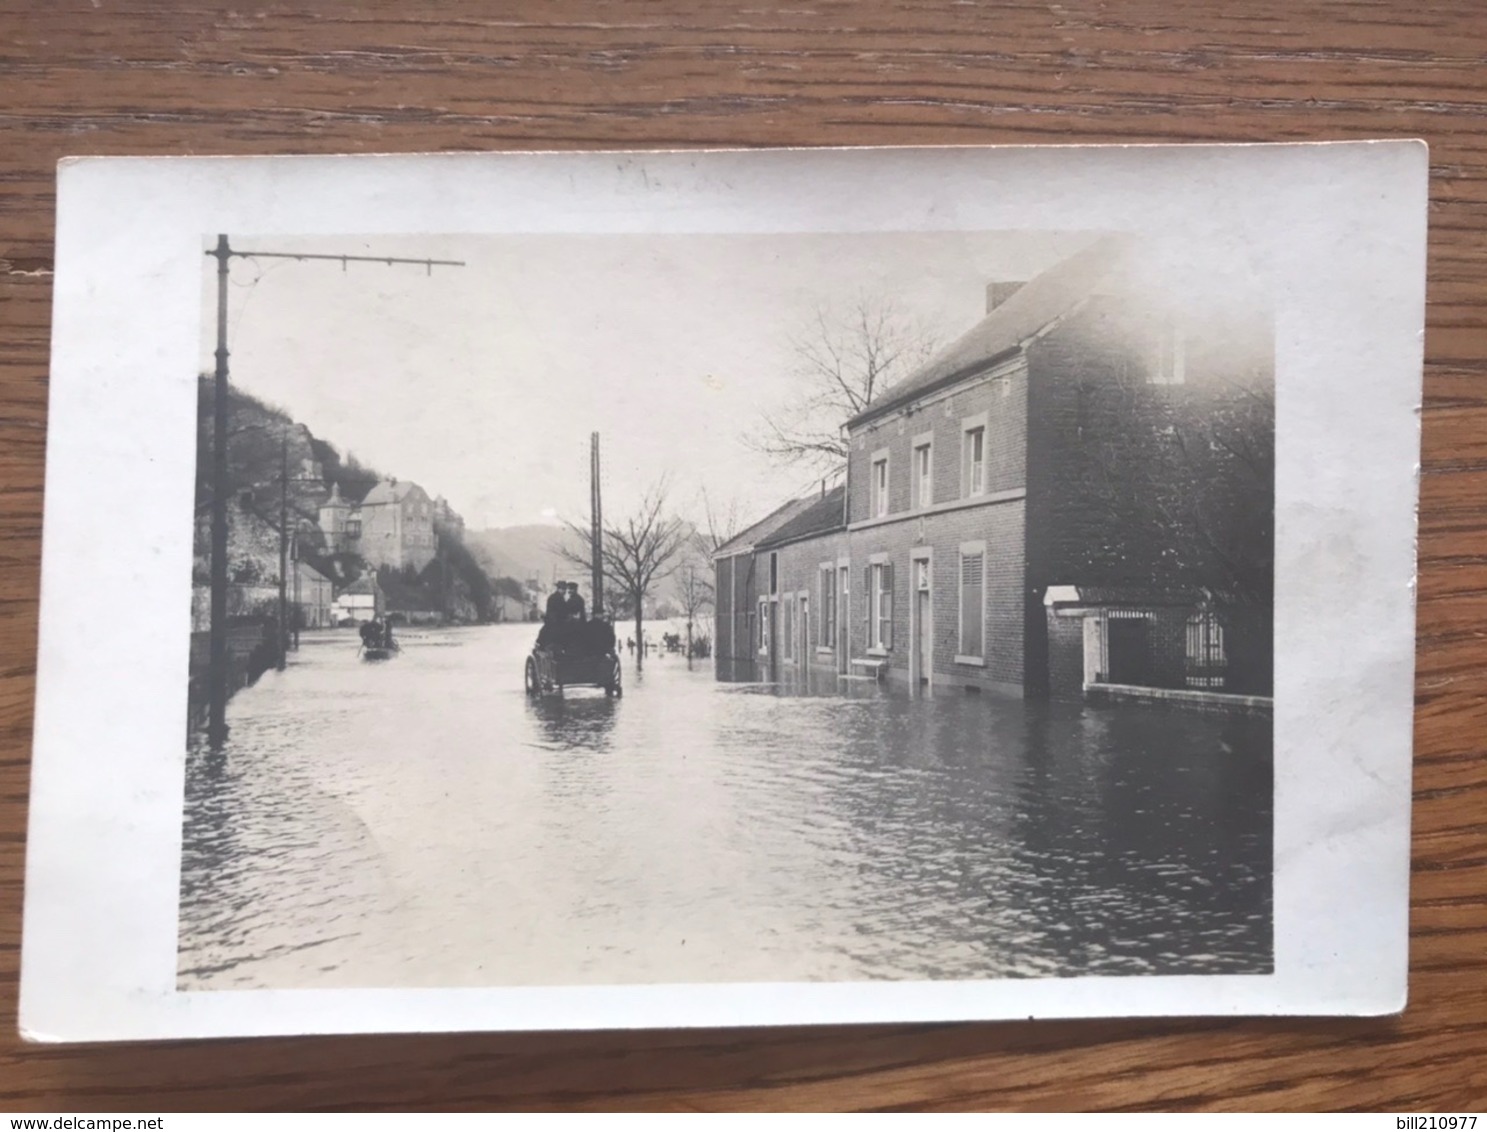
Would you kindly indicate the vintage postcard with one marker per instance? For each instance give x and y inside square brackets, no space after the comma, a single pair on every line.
[726,588]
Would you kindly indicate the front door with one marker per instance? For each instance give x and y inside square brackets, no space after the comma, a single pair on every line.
[1128,640]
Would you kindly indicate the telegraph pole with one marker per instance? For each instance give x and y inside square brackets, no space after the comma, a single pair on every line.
[224,253]
[596,533]
[283,549]
[217,654]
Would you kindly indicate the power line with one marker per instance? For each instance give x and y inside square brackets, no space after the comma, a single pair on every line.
[224,253]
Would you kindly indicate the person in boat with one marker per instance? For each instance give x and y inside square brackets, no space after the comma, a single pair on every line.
[387,641]
[371,634]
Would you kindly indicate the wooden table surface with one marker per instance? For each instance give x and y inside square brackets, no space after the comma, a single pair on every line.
[172,77]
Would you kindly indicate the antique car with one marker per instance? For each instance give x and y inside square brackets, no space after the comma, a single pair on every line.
[550,670]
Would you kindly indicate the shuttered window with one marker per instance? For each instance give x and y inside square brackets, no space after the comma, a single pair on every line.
[972,604]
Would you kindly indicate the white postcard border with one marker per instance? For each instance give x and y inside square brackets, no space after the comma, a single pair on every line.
[1342,228]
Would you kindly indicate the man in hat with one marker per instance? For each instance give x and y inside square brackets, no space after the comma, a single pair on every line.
[554,618]
[577,610]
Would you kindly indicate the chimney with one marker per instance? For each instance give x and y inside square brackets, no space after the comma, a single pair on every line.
[999,293]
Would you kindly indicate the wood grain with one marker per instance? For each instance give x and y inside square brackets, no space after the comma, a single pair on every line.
[153,76]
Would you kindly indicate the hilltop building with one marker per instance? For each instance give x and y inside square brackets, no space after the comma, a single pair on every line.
[392,525]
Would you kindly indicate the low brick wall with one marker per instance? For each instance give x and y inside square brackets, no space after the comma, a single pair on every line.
[251,651]
[1183,697]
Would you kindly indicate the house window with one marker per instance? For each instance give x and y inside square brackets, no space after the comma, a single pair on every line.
[763,622]
[880,487]
[880,606]
[974,477]
[1168,363]
[924,493]
[353,528]
[1207,662]
[971,644]
[774,573]
[827,635]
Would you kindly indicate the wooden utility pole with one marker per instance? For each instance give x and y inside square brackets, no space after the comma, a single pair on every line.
[283,550]
[217,652]
[596,526]
[223,253]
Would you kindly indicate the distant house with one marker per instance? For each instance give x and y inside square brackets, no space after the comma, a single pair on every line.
[504,607]
[1075,495]
[363,600]
[313,597]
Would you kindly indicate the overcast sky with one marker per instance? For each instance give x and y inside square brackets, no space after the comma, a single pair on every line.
[483,382]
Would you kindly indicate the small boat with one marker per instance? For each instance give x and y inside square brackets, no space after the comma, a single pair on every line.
[378,653]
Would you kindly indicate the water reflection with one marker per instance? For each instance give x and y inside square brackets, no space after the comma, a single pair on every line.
[425,823]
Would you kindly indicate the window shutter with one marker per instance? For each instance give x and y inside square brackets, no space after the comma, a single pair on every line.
[972,603]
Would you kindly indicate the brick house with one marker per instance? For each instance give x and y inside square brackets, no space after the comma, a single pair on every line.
[1077,493]
[801,568]
[736,591]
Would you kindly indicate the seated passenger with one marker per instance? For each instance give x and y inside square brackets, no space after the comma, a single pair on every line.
[601,634]
[553,633]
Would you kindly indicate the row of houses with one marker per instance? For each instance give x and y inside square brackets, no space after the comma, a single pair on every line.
[1076,496]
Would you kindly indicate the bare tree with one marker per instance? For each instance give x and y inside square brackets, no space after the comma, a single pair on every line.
[845,357]
[720,523]
[694,588]
[637,551]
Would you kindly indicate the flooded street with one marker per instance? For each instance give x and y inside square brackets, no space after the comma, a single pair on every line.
[421,822]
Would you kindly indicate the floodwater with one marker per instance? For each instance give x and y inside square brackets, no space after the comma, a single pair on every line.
[421,822]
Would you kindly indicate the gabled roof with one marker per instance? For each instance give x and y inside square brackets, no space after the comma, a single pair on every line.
[823,515]
[1031,307]
[366,584]
[751,536]
[389,491]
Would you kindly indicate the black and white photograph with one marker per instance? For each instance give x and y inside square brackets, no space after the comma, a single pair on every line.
[722,588]
[697,608]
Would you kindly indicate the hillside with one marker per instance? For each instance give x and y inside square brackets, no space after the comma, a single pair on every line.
[532,552]
[526,552]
